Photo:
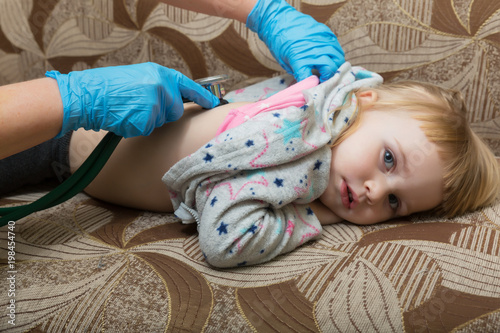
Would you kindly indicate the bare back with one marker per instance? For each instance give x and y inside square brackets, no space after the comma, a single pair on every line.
[132,176]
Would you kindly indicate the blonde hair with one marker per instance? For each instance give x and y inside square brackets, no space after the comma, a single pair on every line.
[471,172]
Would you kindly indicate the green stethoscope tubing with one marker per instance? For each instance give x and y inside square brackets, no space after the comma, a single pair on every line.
[71,186]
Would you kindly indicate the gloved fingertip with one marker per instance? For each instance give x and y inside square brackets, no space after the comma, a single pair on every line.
[208,102]
[198,94]
[211,103]
[326,75]
[302,74]
[328,70]
[215,101]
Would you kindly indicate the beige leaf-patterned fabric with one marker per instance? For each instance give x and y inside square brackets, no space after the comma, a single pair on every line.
[88,266]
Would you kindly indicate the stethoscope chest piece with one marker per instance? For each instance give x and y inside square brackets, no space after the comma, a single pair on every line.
[214,84]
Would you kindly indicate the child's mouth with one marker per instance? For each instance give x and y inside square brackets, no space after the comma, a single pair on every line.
[349,193]
[348,196]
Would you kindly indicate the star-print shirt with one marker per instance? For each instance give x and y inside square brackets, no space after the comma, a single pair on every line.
[250,187]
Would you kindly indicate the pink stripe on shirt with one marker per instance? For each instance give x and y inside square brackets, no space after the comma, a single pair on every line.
[291,96]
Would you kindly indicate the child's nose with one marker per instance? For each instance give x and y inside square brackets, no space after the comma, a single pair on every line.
[376,190]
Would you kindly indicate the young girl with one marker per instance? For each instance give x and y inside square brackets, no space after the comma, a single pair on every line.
[273,171]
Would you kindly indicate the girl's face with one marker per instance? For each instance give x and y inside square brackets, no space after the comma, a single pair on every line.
[386,168]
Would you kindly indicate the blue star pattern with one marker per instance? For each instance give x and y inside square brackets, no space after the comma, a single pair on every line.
[214,200]
[208,158]
[309,211]
[222,229]
[279,182]
[317,165]
[249,143]
[253,229]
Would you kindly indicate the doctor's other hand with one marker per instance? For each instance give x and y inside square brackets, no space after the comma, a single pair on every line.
[128,100]
[296,40]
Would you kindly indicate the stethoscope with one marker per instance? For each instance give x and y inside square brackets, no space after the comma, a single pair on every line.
[92,166]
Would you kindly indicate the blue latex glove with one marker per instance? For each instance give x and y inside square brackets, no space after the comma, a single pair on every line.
[126,100]
[296,40]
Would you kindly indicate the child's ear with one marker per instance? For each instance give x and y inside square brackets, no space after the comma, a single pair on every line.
[367,97]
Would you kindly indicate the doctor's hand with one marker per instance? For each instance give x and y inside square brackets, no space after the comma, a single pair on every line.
[127,100]
[296,40]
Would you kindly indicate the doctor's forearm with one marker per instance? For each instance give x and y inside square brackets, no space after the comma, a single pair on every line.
[235,9]
[30,113]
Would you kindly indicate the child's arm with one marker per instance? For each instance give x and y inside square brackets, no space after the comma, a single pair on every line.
[240,230]
[249,216]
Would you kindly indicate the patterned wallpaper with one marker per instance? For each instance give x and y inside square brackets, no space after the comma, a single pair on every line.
[454,43]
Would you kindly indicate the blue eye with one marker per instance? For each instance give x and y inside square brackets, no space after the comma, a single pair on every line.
[393,201]
[388,159]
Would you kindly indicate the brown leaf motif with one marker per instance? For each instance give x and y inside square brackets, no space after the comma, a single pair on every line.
[88,262]
[388,279]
